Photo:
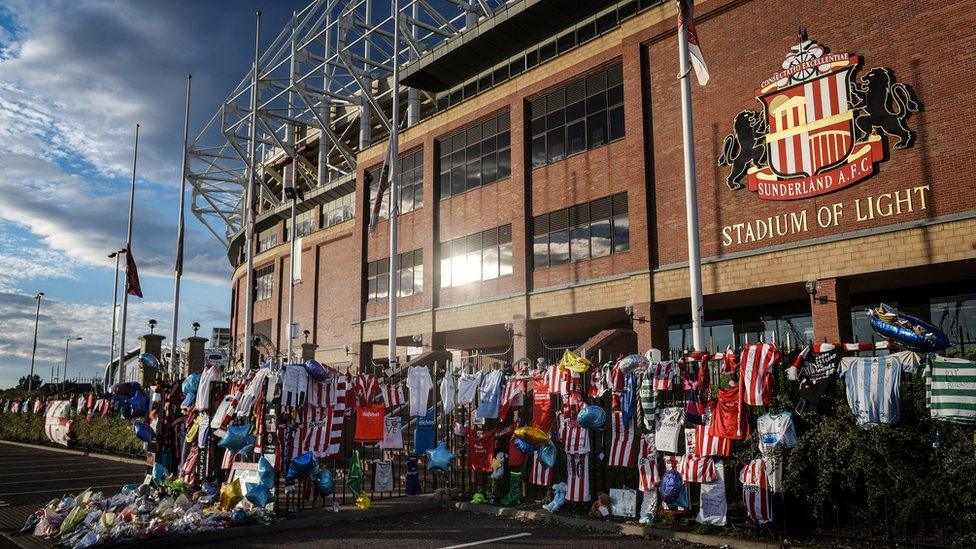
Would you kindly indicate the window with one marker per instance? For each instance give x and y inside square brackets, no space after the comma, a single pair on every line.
[411,185]
[584,231]
[582,114]
[411,282]
[339,210]
[476,257]
[267,239]
[476,156]
[305,222]
[263,282]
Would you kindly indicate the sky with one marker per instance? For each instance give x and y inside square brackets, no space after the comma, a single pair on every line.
[75,77]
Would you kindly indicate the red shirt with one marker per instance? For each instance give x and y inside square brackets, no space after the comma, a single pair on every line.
[481,447]
[728,418]
[542,411]
[369,423]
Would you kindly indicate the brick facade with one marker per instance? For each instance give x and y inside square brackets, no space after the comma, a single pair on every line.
[744,41]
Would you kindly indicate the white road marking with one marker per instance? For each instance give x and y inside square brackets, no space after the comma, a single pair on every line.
[484,541]
[4,504]
[21,471]
[34,481]
[64,490]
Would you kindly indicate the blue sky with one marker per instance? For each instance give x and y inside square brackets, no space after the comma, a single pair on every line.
[74,79]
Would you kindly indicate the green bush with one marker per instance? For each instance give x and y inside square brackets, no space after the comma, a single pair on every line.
[112,435]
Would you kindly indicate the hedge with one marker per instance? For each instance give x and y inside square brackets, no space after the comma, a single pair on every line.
[112,435]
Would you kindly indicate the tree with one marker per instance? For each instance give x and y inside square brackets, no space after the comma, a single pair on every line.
[22,384]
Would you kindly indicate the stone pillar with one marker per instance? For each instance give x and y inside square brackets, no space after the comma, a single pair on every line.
[432,341]
[152,344]
[193,354]
[308,351]
[830,307]
[364,356]
[526,341]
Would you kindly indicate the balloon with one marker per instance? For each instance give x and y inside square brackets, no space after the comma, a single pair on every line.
[363,501]
[190,385]
[592,417]
[208,489]
[122,391]
[159,474]
[230,495]
[533,435]
[325,482]
[149,361]
[632,362]
[300,467]
[907,331]
[523,446]
[129,488]
[136,406]
[670,487]
[258,494]
[239,517]
[439,458]
[315,370]
[547,454]
[266,472]
[144,432]
[237,437]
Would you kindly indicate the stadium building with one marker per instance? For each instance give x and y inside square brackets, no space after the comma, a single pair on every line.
[541,174]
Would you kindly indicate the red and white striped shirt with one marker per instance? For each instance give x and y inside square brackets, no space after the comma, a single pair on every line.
[699,442]
[697,469]
[664,373]
[578,477]
[392,394]
[650,474]
[366,389]
[755,492]
[512,395]
[575,439]
[540,474]
[756,367]
[623,447]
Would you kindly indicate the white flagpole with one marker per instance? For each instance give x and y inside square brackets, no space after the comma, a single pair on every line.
[394,187]
[174,362]
[249,207]
[691,187]
[128,251]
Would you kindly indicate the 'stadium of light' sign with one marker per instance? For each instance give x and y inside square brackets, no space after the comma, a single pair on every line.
[839,214]
[818,131]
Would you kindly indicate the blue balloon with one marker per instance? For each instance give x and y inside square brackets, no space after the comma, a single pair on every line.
[632,362]
[325,482]
[301,467]
[547,454]
[671,486]
[523,446]
[592,417]
[129,488]
[159,473]
[209,489]
[149,360]
[266,472]
[258,494]
[907,331]
[237,438]
[122,391]
[238,517]
[190,385]
[439,458]
[315,370]
[144,432]
[136,406]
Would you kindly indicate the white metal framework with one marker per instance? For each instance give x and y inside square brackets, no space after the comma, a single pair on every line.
[324,92]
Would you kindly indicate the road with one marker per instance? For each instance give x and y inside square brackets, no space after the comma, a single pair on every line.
[29,478]
[442,528]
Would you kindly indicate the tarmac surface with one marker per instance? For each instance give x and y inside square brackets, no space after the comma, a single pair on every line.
[442,528]
[29,478]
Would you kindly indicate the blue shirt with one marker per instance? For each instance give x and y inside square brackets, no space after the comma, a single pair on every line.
[423,438]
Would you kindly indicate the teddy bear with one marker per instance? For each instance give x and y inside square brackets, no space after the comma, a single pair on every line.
[600,507]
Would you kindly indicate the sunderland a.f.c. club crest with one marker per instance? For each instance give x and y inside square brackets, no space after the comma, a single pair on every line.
[821,126]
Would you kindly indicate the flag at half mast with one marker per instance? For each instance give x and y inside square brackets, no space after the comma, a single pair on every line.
[686,12]
[132,286]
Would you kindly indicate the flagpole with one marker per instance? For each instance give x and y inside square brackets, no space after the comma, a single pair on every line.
[250,206]
[394,186]
[691,185]
[174,361]
[128,251]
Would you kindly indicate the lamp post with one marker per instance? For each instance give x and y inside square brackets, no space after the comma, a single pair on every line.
[152,325]
[65,376]
[117,255]
[37,316]
[196,328]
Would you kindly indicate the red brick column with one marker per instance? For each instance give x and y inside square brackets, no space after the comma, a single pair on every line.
[831,310]
[650,321]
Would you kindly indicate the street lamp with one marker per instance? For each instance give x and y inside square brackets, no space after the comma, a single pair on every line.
[65,377]
[152,325]
[196,328]
[37,316]
[115,302]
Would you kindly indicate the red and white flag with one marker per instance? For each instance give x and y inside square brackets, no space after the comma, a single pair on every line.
[623,450]
[755,491]
[578,477]
[686,13]
[540,474]
[756,378]
[650,474]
